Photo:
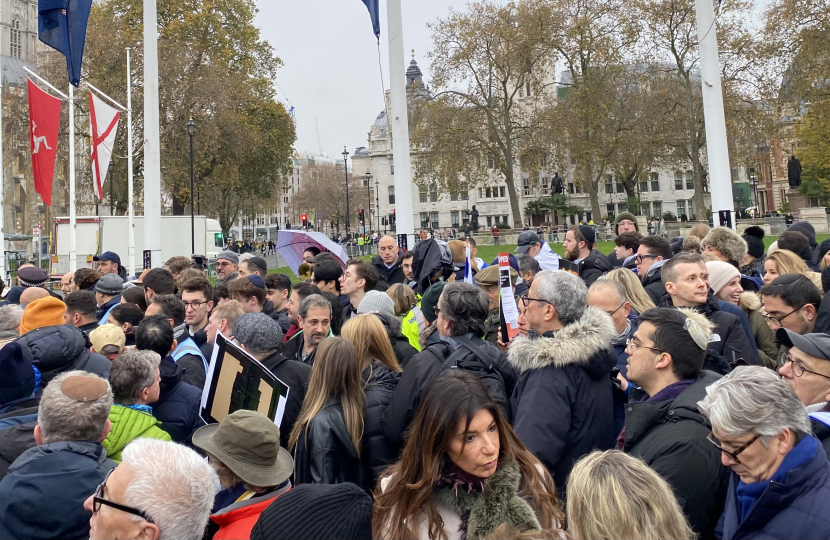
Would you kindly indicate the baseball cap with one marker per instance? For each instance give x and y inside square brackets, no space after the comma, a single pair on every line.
[815,345]
[108,256]
[107,334]
[526,239]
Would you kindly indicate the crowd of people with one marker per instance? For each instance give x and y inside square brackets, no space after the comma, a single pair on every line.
[664,390]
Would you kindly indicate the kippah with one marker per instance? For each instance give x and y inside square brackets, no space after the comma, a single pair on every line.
[84,389]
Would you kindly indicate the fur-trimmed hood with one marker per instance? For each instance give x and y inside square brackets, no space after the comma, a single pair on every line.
[576,344]
[749,301]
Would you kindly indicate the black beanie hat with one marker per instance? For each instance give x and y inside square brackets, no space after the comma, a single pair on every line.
[17,377]
[318,511]
[754,238]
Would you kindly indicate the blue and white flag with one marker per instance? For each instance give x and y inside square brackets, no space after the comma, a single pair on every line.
[374,13]
[468,269]
[61,24]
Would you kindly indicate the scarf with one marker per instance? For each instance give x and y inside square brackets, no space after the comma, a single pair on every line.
[141,408]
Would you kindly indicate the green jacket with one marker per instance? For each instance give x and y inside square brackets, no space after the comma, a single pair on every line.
[492,327]
[764,336]
[129,424]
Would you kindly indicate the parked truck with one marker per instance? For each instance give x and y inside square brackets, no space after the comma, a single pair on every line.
[95,235]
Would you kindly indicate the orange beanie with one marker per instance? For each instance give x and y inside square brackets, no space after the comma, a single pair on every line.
[47,311]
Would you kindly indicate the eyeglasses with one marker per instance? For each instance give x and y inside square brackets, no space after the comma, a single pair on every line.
[631,344]
[733,455]
[196,304]
[779,320]
[526,300]
[616,310]
[798,368]
[99,500]
[639,258]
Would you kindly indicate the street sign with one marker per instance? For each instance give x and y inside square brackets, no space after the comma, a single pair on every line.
[36,231]
[147,259]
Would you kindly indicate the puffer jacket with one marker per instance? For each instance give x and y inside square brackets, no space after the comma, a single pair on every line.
[562,403]
[15,440]
[764,337]
[179,403]
[56,349]
[325,453]
[592,267]
[127,425]
[44,492]
[378,451]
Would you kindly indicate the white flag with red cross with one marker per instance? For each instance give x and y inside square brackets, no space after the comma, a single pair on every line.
[103,120]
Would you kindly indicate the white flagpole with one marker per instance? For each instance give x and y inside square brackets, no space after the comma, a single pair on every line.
[73,221]
[152,144]
[2,201]
[131,230]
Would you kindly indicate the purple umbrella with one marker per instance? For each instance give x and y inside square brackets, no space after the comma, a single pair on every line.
[292,244]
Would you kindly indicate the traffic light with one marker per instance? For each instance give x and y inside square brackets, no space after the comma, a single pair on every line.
[304,219]
[360,216]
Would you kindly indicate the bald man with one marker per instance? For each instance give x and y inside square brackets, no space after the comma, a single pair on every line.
[388,261]
[30,294]
[66,282]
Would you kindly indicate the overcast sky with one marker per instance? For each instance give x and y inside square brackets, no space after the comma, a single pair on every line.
[330,58]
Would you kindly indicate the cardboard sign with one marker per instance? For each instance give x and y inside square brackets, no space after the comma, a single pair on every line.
[509,310]
[235,380]
[569,267]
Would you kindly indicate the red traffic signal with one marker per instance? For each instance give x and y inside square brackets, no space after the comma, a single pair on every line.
[304,217]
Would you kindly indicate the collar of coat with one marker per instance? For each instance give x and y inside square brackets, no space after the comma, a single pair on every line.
[575,344]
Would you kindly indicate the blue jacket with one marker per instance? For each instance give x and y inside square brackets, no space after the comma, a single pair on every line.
[44,492]
[104,311]
[179,403]
[797,508]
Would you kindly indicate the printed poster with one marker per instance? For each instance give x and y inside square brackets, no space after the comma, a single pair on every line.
[509,310]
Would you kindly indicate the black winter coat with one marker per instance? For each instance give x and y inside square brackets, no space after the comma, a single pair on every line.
[293,349]
[822,433]
[179,403]
[44,492]
[823,318]
[56,349]
[729,340]
[378,452]
[404,351]
[389,275]
[295,375]
[325,453]
[419,372]
[653,284]
[592,267]
[14,441]
[562,404]
[670,436]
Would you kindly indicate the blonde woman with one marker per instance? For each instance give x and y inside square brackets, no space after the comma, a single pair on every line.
[781,262]
[381,373]
[326,438]
[403,297]
[634,291]
[612,495]
[700,230]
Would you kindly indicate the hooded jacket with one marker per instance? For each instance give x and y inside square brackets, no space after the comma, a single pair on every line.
[295,375]
[56,349]
[562,403]
[389,275]
[670,436]
[761,332]
[592,267]
[653,283]
[127,425]
[237,520]
[179,403]
[378,451]
[325,453]
[104,311]
[44,492]
[15,440]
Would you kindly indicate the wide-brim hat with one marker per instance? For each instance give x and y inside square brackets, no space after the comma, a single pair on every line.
[244,447]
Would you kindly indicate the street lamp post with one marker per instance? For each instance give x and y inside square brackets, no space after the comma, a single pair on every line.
[368,199]
[112,202]
[346,170]
[377,204]
[191,129]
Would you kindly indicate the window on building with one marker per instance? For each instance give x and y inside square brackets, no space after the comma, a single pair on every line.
[465,194]
[571,188]
[690,180]
[655,181]
[645,209]
[678,180]
[527,89]
[643,187]
[454,219]
[521,92]
[691,208]
[391,194]
[433,218]
[681,209]
[609,208]
[545,187]
[453,195]
[526,187]
[424,220]
[620,188]
[422,193]
[657,207]
[505,219]
[489,221]
[609,184]
[488,193]
[491,163]
[433,193]
[392,166]
[14,39]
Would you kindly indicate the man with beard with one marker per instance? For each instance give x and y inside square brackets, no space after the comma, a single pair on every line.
[579,248]
[300,292]
[314,320]
[408,267]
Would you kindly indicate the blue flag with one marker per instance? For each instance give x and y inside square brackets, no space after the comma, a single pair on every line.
[61,24]
[374,13]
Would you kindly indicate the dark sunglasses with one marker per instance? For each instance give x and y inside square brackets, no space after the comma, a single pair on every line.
[526,300]
[733,454]
[99,500]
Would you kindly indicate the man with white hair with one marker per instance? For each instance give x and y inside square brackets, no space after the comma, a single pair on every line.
[160,490]
[780,481]
[562,403]
[43,493]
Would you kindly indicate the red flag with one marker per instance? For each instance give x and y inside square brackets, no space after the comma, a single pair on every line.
[44,121]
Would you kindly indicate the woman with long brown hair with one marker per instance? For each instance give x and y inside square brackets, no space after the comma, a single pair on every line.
[326,438]
[381,373]
[463,471]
